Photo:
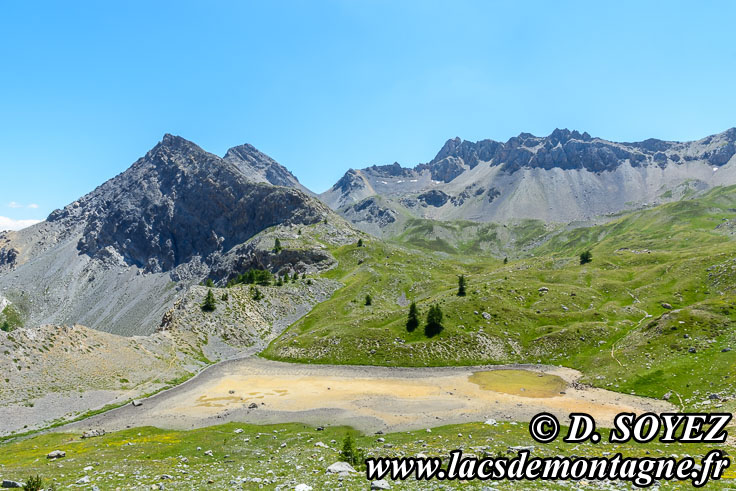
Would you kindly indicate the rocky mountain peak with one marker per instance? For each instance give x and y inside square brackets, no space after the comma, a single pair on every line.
[179,202]
[258,167]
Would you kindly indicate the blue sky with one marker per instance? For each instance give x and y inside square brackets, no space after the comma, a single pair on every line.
[88,87]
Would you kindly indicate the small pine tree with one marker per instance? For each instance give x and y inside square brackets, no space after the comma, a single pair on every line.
[586,257]
[304,276]
[360,242]
[5,326]
[368,300]
[279,282]
[461,286]
[294,277]
[352,454]
[309,281]
[225,297]
[434,321]
[209,283]
[412,320]
[209,302]
[33,483]
[505,260]
[255,293]
[277,245]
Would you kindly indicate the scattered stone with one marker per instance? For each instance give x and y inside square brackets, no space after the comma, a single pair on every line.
[303,487]
[725,350]
[486,316]
[208,453]
[667,396]
[544,289]
[93,433]
[321,445]
[7,483]
[491,422]
[136,403]
[83,480]
[56,454]
[382,484]
[667,306]
[239,430]
[166,476]
[252,405]
[692,350]
[519,448]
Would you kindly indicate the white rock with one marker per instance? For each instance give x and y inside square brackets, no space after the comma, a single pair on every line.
[342,468]
[303,487]
[382,484]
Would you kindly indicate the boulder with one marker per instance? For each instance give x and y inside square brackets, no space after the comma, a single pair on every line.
[7,483]
[56,454]
[93,433]
[382,484]
[341,468]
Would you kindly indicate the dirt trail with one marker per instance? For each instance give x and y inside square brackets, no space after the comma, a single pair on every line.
[369,398]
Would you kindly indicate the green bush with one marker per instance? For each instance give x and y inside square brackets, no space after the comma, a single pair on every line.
[33,483]
[251,277]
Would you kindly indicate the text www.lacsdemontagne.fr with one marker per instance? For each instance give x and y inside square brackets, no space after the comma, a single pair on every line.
[640,471]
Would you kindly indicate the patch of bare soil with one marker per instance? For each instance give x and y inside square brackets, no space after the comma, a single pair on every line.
[253,390]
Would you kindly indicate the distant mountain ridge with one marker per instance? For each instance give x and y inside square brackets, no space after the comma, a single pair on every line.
[566,176]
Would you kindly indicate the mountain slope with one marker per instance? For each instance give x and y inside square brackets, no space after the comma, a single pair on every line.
[116,258]
[564,177]
[259,167]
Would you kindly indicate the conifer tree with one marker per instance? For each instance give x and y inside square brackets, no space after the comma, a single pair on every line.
[412,321]
[461,286]
[209,302]
[434,321]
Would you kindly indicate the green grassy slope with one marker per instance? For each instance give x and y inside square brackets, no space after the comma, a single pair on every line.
[610,318]
[286,455]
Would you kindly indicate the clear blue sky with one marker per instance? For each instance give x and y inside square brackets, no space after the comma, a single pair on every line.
[88,87]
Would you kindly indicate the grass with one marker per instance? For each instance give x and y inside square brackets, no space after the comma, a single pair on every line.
[11,318]
[284,455]
[662,283]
